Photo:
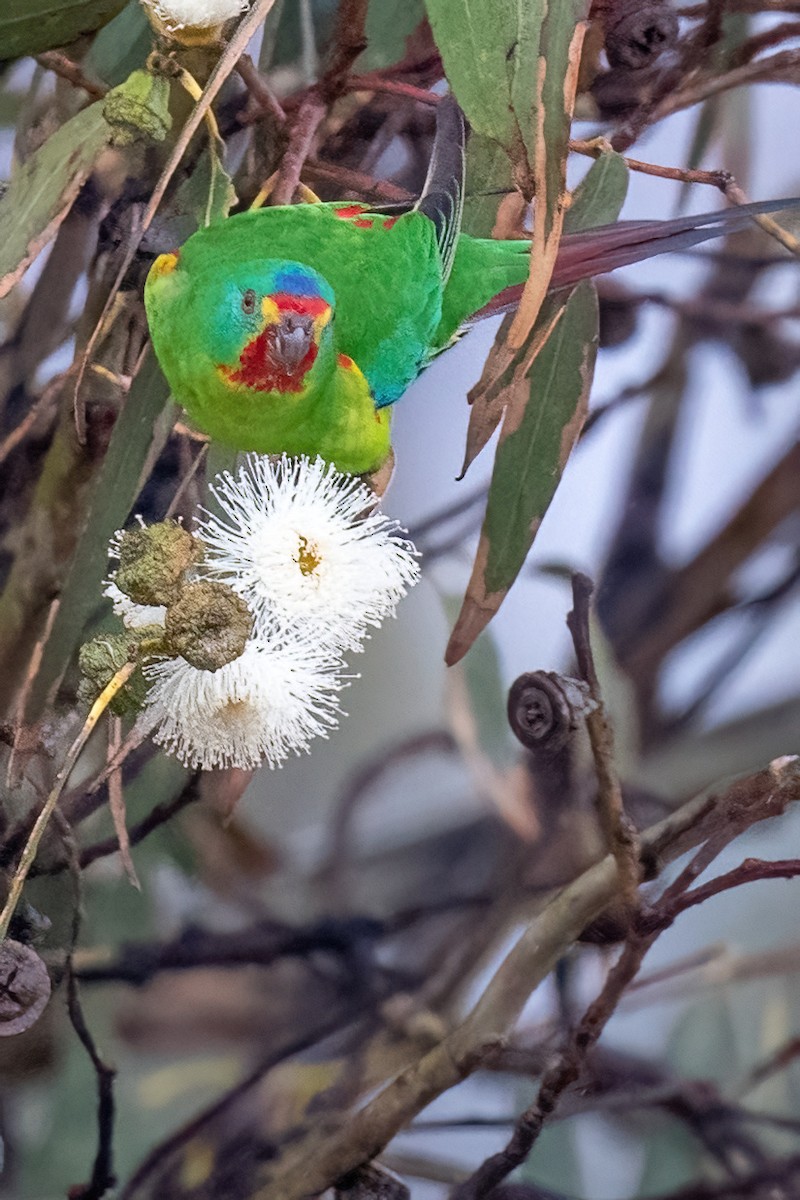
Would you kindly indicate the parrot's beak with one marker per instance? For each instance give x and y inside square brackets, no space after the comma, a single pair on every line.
[291,337]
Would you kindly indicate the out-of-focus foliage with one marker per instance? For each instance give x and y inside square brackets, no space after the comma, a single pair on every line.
[303,935]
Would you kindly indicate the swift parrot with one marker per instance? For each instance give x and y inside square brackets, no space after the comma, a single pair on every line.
[294,329]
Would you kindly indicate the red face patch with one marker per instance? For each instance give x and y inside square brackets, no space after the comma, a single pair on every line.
[259,371]
[311,306]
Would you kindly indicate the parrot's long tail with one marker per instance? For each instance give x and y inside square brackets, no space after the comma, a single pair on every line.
[597,251]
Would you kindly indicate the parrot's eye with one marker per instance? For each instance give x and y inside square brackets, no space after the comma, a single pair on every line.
[249,302]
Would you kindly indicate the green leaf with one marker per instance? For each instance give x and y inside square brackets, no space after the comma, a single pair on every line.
[599,197]
[31,26]
[488,180]
[541,424]
[389,23]
[42,191]
[205,197]
[506,63]
[486,695]
[138,434]
[214,189]
[121,46]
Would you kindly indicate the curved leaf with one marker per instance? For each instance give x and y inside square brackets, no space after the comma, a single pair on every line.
[31,26]
[542,422]
[42,191]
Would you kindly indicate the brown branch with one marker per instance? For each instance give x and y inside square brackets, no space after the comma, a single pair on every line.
[621,837]
[309,1166]
[348,42]
[137,833]
[312,113]
[261,93]
[347,178]
[570,1065]
[102,1177]
[65,68]
[747,872]
[783,67]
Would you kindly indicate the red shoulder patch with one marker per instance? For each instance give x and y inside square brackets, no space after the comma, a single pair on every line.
[347,211]
[345,361]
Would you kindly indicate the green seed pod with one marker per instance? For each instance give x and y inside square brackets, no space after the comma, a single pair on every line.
[99,661]
[138,110]
[209,625]
[153,561]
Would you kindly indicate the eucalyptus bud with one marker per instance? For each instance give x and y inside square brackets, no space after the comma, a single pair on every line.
[153,561]
[138,110]
[100,660]
[209,625]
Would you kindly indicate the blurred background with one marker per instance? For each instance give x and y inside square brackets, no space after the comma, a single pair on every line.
[376,882]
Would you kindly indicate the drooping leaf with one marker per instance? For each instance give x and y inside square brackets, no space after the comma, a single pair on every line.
[490,55]
[488,180]
[486,695]
[139,428]
[598,198]
[542,422]
[121,46]
[215,191]
[42,191]
[205,197]
[31,26]
[540,163]
[389,23]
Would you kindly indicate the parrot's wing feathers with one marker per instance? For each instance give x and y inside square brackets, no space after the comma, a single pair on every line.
[442,198]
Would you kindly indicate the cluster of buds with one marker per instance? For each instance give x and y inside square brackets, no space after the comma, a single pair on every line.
[239,630]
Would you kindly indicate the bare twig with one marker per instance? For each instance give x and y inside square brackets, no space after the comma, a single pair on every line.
[102,1177]
[32,845]
[65,68]
[620,833]
[311,1165]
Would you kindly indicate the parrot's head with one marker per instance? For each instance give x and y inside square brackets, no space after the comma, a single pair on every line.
[265,325]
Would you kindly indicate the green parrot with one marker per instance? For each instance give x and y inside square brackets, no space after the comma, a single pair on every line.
[294,329]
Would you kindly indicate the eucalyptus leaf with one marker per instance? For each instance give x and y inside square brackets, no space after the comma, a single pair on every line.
[121,46]
[488,180]
[599,197]
[118,483]
[506,63]
[389,23]
[540,428]
[42,191]
[31,26]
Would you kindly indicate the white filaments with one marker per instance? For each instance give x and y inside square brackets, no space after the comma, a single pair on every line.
[265,705]
[302,543]
[133,615]
[317,566]
[195,14]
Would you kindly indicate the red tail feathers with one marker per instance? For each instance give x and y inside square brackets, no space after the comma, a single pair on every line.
[598,251]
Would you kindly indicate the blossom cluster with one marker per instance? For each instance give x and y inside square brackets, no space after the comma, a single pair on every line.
[305,565]
[175,15]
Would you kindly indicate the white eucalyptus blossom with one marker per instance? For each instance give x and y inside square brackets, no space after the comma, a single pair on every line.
[265,705]
[302,543]
[132,615]
[195,14]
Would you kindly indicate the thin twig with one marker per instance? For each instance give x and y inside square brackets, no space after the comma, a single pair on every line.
[621,837]
[102,1177]
[65,68]
[308,1167]
[29,853]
